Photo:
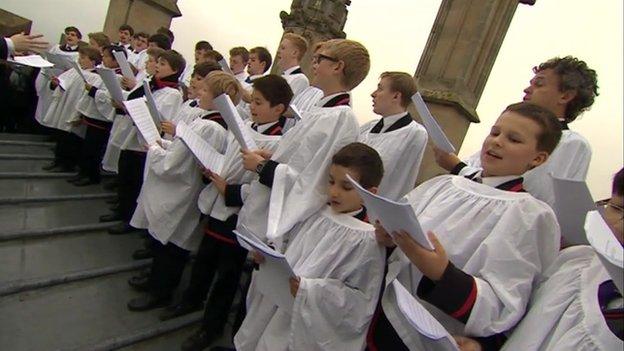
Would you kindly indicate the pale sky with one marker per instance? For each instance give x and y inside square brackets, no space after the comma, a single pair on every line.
[590,30]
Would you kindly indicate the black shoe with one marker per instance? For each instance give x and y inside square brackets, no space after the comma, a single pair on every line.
[139,283]
[76,178]
[180,309]
[121,228]
[113,201]
[86,182]
[148,302]
[142,254]
[50,166]
[114,208]
[198,341]
[115,216]
[61,169]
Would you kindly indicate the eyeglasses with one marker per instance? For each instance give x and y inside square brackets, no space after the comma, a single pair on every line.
[317,58]
[605,204]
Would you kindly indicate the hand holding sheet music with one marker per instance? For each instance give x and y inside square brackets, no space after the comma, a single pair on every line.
[79,70]
[151,104]
[273,277]
[609,249]
[112,83]
[126,71]
[138,111]
[209,157]
[394,216]
[296,112]
[433,128]
[421,319]
[235,123]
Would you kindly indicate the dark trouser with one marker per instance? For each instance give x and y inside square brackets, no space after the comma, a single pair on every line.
[68,149]
[167,268]
[94,147]
[130,168]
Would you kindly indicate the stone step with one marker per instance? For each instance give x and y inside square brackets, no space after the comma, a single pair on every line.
[35,175]
[48,215]
[55,198]
[45,187]
[78,316]
[27,149]
[26,156]
[165,342]
[17,165]
[24,137]
[44,232]
[55,257]
[27,143]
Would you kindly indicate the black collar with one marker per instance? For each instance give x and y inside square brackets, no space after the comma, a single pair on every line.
[216,117]
[338,100]
[362,215]
[400,123]
[564,125]
[298,70]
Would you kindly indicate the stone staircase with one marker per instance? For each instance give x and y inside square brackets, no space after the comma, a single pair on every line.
[62,276]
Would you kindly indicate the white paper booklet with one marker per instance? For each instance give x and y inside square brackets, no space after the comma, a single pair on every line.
[151,104]
[431,125]
[235,123]
[609,249]
[296,112]
[79,70]
[272,279]
[422,320]
[225,67]
[109,77]
[126,71]
[32,61]
[209,157]
[394,216]
[60,61]
[138,111]
[572,202]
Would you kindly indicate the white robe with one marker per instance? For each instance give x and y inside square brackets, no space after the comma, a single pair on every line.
[300,183]
[307,98]
[341,269]
[565,313]
[167,204]
[401,151]
[298,82]
[210,202]
[42,83]
[569,160]
[87,104]
[505,240]
[168,102]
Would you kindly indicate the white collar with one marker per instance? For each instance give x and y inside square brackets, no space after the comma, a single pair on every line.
[291,70]
[264,127]
[390,120]
[325,99]
[74,47]
[495,181]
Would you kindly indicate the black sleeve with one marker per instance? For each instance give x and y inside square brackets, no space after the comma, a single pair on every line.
[233,195]
[268,173]
[455,293]
[92,91]
[458,167]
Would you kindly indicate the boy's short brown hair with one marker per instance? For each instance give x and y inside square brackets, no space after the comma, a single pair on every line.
[220,82]
[263,56]
[275,90]
[362,159]
[92,53]
[73,29]
[354,56]
[155,52]
[175,60]
[202,69]
[100,38]
[299,42]
[573,75]
[212,54]
[240,51]
[550,135]
[403,83]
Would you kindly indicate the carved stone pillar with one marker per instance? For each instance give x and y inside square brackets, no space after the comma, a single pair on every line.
[456,63]
[143,15]
[316,20]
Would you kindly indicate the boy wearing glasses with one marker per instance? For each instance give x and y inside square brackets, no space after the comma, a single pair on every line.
[291,183]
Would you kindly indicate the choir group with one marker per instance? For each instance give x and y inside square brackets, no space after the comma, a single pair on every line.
[499,273]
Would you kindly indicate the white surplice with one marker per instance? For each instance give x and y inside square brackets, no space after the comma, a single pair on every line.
[401,151]
[167,204]
[341,268]
[300,182]
[569,160]
[307,98]
[298,81]
[565,312]
[504,239]
[42,83]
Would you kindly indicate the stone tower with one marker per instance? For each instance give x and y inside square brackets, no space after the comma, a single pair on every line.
[142,15]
